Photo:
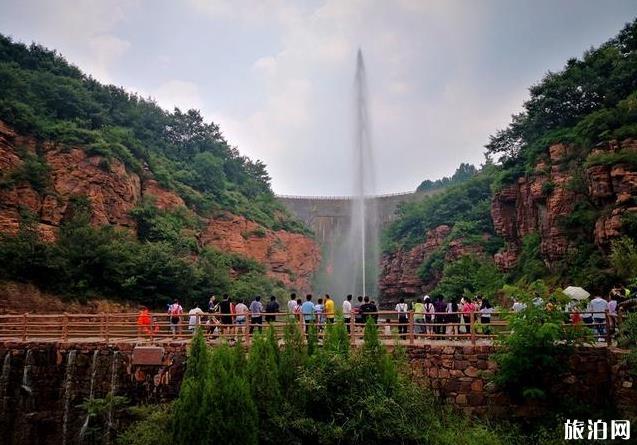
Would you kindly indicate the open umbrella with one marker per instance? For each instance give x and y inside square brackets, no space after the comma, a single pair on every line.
[576,293]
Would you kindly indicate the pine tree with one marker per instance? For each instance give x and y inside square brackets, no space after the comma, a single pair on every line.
[235,420]
[191,410]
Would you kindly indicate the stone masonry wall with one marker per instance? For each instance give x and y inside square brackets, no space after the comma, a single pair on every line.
[42,384]
[460,376]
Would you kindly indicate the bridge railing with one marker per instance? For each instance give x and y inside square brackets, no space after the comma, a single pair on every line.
[407,327]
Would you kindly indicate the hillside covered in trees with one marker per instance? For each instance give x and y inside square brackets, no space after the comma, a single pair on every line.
[104,192]
[555,199]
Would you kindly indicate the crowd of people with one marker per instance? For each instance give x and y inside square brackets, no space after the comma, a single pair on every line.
[432,317]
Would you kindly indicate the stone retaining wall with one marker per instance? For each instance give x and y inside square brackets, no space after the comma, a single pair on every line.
[460,375]
[42,384]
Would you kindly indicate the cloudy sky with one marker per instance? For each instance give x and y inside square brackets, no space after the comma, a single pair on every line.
[278,75]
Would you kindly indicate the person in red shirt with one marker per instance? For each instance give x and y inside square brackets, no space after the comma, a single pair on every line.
[143,322]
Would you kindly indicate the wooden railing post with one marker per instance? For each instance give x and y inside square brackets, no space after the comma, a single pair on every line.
[248,325]
[352,328]
[608,333]
[411,327]
[472,326]
[65,328]
[24,326]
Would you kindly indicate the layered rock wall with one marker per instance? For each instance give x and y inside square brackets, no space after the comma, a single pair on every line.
[114,190]
[540,203]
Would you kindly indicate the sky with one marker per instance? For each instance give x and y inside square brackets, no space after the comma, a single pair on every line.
[277,76]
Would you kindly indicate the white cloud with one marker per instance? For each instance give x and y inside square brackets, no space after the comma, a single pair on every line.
[178,93]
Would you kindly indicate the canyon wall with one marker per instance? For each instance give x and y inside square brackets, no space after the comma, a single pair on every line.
[43,384]
[114,190]
[540,203]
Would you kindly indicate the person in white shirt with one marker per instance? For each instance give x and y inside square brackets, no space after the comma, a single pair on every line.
[194,318]
[518,306]
[598,307]
[402,310]
[241,310]
[292,304]
[429,315]
[347,312]
[612,311]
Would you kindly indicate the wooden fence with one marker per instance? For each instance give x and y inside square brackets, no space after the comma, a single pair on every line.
[408,328]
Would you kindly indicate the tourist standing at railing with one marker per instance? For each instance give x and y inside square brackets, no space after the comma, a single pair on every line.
[453,318]
[468,308]
[368,310]
[440,318]
[347,312]
[213,304]
[292,304]
[419,315]
[375,311]
[241,311]
[429,315]
[330,311]
[143,321]
[319,310]
[358,315]
[307,309]
[518,306]
[598,307]
[256,311]
[225,308]
[297,309]
[485,315]
[175,311]
[612,311]
[271,308]
[194,317]
[402,310]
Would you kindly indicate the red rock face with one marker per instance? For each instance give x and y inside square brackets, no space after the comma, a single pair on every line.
[164,199]
[291,258]
[114,191]
[399,270]
[523,208]
[536,203]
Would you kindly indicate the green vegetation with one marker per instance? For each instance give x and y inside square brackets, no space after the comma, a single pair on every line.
[287,395]
[463,172]
[536,350]
[469,276]
[151,269]
[591,101]
[42,95]
[467,202]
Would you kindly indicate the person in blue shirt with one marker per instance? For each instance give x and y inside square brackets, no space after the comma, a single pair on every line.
[307,309]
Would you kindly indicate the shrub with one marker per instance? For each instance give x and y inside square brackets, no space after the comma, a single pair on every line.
[623,257]
[533,355]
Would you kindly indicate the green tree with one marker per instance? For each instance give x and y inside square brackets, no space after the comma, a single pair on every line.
[192,410]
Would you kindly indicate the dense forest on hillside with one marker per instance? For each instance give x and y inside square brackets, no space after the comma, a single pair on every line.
[43,96]
[592,101]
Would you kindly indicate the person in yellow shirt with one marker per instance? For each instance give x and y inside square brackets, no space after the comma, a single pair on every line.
[329,309]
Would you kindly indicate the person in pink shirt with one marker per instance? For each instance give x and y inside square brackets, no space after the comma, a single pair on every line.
[467,309]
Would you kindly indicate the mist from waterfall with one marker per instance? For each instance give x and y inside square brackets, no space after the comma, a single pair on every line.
[355,259]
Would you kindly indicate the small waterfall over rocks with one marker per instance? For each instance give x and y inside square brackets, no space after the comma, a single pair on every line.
[90,396]
[68,392]
[5,378]
[26,378]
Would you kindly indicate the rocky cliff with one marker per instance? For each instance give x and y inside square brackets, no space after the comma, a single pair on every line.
[114,190]
[542,203]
